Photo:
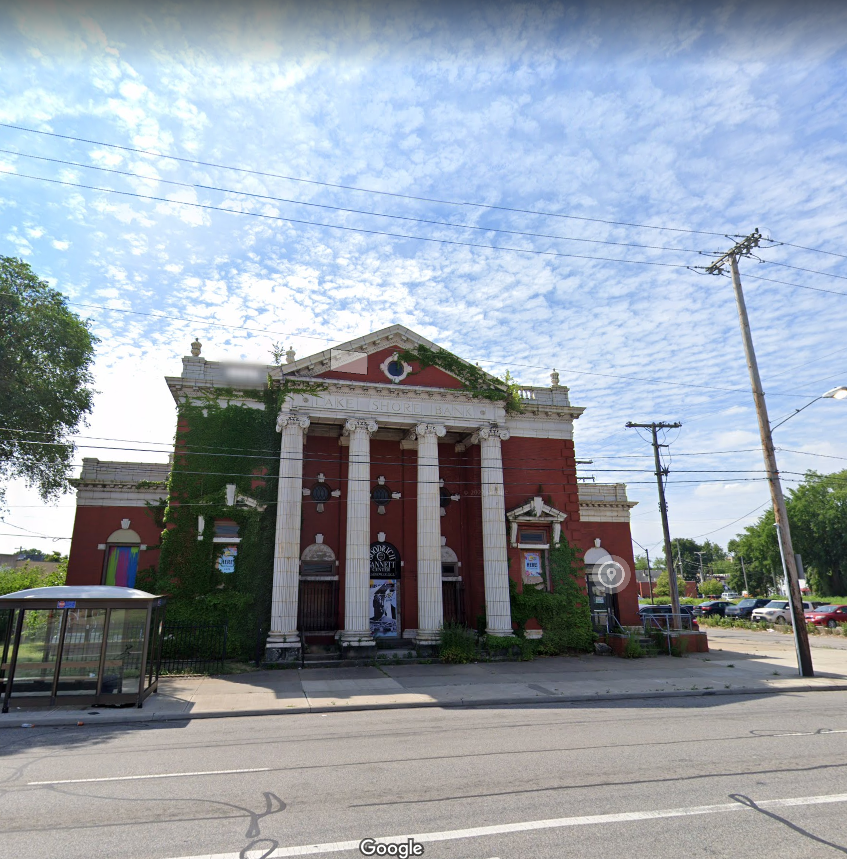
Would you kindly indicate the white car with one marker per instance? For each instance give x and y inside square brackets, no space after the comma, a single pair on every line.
[776,611]
[730,595]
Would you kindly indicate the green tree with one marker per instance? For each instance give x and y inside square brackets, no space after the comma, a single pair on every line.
[46,353]
[711,588]
[662,588]
[817,511]
[31,576]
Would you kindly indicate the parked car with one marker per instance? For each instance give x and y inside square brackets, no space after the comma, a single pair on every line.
[711,608]
[745,607]
[730,595]
[827,615]
[777,611]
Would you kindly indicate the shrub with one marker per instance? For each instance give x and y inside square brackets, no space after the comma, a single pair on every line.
[458,644]
[632,649]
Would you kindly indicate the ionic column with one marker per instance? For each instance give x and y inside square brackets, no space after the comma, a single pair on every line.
[430,605]
[357,564]
[495,562]
[283,634]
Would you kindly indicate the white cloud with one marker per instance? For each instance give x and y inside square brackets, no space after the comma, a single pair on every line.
[60,245]
[653,114]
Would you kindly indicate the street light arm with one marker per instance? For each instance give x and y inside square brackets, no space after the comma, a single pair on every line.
[796,412]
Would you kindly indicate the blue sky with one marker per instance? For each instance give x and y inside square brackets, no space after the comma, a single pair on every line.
[708,119]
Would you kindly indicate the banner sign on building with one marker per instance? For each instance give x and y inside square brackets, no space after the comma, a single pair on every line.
[385,561]
[226,559]
[384,614]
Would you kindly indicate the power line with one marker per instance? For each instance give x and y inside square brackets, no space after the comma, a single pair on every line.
[804,248]
[446,465]
[570,370]
[209,207]
[347,209]
[798,268]
[357,189]
[797,285]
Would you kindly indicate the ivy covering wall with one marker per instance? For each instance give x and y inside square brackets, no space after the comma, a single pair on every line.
[474,380]
[219,444]
[563,612]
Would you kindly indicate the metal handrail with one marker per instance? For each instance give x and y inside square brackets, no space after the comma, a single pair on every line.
[664,622]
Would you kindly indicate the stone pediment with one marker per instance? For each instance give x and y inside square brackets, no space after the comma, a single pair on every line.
[394,337]
[535,512]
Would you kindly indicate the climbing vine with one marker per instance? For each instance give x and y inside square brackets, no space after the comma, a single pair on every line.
[221,441]
[474,379]
[563,612]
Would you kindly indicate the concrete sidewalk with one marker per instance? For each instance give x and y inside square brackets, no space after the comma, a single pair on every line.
[736,665]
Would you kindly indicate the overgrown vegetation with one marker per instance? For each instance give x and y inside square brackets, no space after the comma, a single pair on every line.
[30,575]
[474,379]
[458,644]
[562,612]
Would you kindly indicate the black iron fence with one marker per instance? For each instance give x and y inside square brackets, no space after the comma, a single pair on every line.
[189,648]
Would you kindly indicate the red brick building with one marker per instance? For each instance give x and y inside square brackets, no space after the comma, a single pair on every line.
[405,499]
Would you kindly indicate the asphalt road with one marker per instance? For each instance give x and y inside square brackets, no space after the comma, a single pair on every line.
[686,777]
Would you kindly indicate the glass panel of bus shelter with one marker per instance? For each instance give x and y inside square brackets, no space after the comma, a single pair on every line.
[81,651]
[37,652]
[154,644]
[8,619]
[125,640]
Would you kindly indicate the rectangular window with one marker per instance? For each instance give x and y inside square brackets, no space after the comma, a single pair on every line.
[538,537]
[121,566]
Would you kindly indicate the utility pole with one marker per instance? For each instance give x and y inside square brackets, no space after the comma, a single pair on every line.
[701,566]
[744,570]
[745,248]
[661,473]
[649,575]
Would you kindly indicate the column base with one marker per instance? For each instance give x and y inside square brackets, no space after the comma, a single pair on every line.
[428,636]
[282,647]
[357,645]
[499,633]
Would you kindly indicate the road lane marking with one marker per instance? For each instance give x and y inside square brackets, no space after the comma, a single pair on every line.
[138,777]
[531,825]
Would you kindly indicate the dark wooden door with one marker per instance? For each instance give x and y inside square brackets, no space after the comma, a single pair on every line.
[453,598]
[317,608]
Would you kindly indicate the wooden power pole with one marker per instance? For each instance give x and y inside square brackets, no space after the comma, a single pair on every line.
[801,635]
[661,473]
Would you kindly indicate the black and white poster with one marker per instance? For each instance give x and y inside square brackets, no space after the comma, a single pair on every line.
[385,618]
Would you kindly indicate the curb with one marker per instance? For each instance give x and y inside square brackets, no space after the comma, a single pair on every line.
[135,716]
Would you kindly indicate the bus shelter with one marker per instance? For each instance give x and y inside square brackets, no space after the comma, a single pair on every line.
[92,645]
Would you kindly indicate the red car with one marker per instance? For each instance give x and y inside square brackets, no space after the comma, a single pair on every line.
[827,615]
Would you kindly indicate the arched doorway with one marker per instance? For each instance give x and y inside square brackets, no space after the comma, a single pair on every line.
[317,607]
[452,589]
[602,603]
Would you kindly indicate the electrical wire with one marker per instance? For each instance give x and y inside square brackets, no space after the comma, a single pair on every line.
[363,230]
[497,362]
[797,285]
[357,189]
[804,248]
[275,199]
[798,268]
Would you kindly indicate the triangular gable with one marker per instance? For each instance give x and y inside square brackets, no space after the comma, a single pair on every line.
[535,512]
[379,346]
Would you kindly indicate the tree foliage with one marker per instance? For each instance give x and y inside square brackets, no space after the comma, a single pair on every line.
[662,588]
[817,513]
[29,576]
[46,352]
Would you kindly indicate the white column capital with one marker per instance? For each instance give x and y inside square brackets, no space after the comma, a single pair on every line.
[287,419]
[438,430]
[358,425]
[492,432]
